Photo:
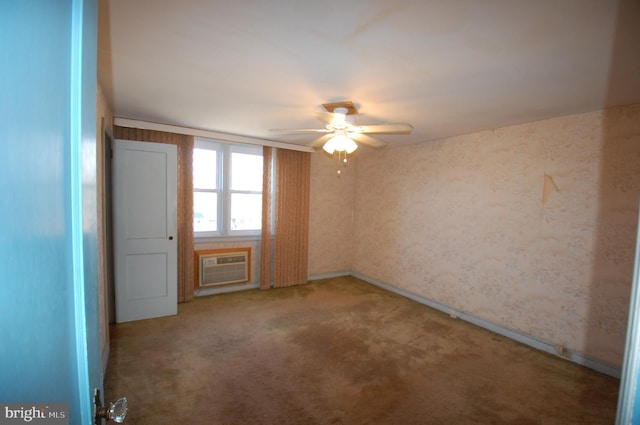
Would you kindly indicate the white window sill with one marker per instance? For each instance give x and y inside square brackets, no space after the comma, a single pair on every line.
[214,239]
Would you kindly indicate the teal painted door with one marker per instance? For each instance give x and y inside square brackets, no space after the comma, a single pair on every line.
[49,339]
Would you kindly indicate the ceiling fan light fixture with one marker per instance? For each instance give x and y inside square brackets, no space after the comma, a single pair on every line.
[340,143]
[349,145]
[330,146]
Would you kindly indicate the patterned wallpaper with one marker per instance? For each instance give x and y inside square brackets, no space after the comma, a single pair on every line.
[531,227]
[330,215]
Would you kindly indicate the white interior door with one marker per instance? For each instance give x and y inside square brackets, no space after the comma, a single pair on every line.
[144,226]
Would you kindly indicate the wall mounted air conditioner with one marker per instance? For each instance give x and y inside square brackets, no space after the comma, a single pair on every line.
[222,267]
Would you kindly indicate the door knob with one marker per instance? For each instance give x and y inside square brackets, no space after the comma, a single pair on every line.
[170,238]
[116,411]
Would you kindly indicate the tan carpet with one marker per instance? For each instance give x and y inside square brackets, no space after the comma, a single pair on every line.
[340,351]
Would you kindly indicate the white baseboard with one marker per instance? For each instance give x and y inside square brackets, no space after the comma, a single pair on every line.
[329,275]
[529,340]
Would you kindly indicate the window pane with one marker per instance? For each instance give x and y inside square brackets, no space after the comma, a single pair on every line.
[204,169]
[205,212]
[246,211]
[246,172]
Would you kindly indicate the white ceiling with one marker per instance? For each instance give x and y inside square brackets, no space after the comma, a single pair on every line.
[446,67]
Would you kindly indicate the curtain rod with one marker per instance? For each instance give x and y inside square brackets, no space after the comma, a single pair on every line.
[226,137]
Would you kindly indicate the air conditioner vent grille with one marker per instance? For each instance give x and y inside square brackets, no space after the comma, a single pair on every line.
[223,267]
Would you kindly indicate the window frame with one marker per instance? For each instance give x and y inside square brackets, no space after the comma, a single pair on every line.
[214,146]
[224,151]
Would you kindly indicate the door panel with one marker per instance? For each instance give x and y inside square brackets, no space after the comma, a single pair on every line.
[147,174]
[145,223]
[149,270]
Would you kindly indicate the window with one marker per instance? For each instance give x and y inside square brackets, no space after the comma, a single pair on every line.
[205,190]
[227,189]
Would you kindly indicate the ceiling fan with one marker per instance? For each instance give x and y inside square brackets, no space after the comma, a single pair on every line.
[342,132]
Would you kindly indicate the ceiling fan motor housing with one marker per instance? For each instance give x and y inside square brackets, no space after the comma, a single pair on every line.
[348,105]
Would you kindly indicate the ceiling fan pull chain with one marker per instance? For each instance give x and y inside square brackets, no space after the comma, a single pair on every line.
[341,161]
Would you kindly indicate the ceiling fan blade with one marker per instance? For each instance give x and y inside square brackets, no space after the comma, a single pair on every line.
[368,141]
[301,130]
[399,128]
[320,141]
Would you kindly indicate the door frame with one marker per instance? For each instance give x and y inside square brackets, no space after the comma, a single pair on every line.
[107,190]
